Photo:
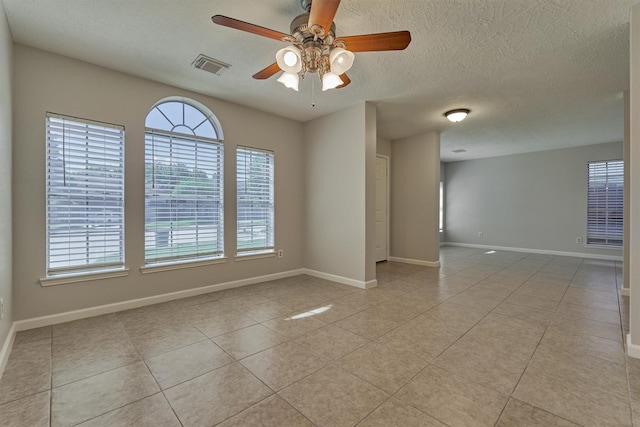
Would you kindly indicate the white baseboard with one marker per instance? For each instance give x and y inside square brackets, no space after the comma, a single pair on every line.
[536,251]
[344,280]
[415,261]
[625,292]
[22,325]
[633,350]
[6,348]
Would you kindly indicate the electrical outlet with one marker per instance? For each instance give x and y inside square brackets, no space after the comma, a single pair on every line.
[578,240]
[1,308]
[480,234]
[280,253]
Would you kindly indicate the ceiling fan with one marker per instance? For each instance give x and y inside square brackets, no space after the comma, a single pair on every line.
[314,46]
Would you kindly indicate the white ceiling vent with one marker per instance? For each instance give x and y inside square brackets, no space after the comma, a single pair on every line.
[459,150]
[209,64]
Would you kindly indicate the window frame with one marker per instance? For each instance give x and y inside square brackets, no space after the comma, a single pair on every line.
[593,239]
[82,141]
[207,164]
[268,249]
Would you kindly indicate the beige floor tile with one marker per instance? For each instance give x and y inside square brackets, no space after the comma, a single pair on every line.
[478,298]
[196,312]
[602,348]
[367,325]
[518,414]
[266,311]
[365,298]
[248,341]
[283,364]
[573,400]
[395,310]
[532,302]
[32,335]
[271,412]
[593,295]
[523,312]
[394,412]
[504,287]
[572,311]
[589,300]
[213,397]
[28,371]
[452,399]
[331,342]
[166,339]
[91,325]
[85,399]
[384,367]
[587,327]
[593,372]
[332,311]
[635,412]
[152,411]
[221,323]
[426,338]
[30,411]
[332,397]
[75,357]
[177,366]
[294,325]
[547,291]
[482,363]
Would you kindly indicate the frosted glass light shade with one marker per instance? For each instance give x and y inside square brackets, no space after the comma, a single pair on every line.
[290,80]
[330,81]
[456,115]
[289,59]
[341,60]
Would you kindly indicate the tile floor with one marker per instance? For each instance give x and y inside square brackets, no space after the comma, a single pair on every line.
[505,339]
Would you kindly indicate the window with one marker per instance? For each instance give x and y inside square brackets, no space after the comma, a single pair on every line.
[255,201]
[183,184]
[85,195]
[605,203]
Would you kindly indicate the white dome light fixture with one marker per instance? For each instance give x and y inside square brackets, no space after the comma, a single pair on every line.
[341,60]
[331,80]
[457,115]
[289,60]
[290,80]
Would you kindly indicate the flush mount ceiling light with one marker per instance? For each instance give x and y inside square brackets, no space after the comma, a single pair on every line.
[457,115]
[314,46]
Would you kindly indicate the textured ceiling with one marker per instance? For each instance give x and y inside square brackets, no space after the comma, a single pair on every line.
[537,74]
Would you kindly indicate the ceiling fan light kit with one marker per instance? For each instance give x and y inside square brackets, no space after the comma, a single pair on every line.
[314,46]
[457,115]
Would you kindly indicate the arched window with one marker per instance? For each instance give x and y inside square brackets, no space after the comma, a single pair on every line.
[183,183]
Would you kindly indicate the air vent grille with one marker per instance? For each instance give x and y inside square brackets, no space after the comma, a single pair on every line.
[210,65]
[459,150]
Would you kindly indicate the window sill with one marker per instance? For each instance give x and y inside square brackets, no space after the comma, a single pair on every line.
[613,248]
[158,268]
[83,277]
[251,256]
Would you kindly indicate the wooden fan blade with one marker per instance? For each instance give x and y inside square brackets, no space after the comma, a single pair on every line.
[267,72]
[345,79]
[249,28]
[322,14]
[397,40]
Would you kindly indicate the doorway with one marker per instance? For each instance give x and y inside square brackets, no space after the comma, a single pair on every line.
[382,208]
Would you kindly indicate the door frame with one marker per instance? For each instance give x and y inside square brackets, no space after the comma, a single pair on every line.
[388,201]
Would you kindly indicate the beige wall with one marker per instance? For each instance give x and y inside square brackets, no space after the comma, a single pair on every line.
[6,61]
[415,195]
[383,146]
[528,201]
[48,82]
[340,183]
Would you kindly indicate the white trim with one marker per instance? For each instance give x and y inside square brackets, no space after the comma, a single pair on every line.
[83,277]
[536,251]
[157,268]
[388,203]
[6,348]
[415,261]
[248,257]
[344,280]
[633,350]
[22,325]
[625,292]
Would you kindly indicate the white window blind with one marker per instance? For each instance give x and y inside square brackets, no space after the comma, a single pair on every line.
[85,195]
[255,197]
[183,197]
[605,203]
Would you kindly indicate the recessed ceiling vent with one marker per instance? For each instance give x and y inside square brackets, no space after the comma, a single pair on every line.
[459,150]
[210,65]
